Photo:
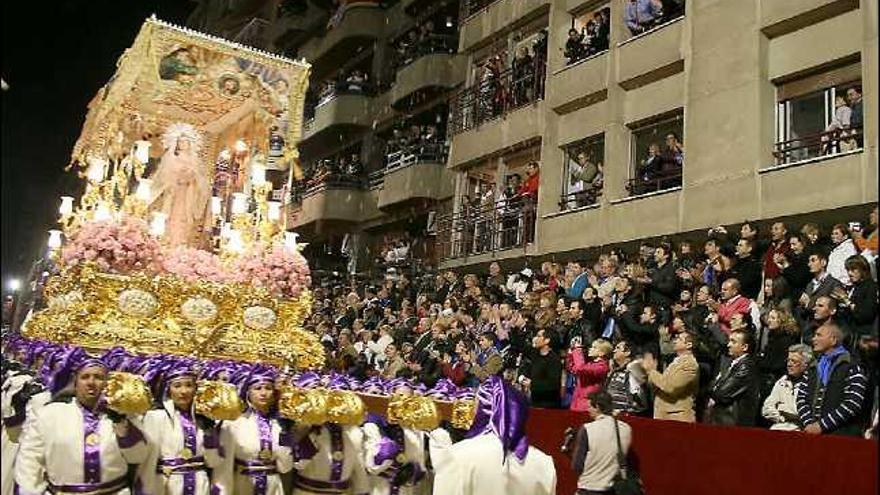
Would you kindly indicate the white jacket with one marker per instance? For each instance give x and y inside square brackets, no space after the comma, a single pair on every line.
[838,257]
[781,399]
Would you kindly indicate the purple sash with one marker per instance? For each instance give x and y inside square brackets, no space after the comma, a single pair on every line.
[91,447]
[189,443]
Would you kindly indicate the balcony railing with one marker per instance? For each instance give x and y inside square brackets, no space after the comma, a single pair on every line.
[417,153]
[654,182]
[819,144]
[432,43]
[482,229]
[579,199]
[496,95]
[314,185]
[471,7]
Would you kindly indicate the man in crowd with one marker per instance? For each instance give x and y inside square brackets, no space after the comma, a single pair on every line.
[823,284]
[748,269]
[596,446]
[543,376]
[735,393]
[732,302]
[780,407]
[626,383]
[778,246]
[831,397]
[488,362]
[676,388]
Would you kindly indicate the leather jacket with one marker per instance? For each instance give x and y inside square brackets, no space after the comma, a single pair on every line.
[736,392]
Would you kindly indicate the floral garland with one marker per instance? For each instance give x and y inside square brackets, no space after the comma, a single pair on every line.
[283,272]
[115,247]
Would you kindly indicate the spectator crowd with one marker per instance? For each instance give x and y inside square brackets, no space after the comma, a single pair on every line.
[742,328]
[593,38]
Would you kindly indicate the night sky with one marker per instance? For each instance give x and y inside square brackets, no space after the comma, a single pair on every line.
[56,55]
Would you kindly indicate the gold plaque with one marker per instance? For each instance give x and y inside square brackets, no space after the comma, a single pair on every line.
[401,458]
[93,439]
[338,455]
[265,454]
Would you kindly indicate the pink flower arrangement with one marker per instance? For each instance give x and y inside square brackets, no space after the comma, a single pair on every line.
[117,247]
[283,271]
[193,264]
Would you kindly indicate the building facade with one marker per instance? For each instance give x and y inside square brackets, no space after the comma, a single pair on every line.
[648,119]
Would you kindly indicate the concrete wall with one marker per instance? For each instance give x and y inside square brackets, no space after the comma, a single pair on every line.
[420,181]
[718,64]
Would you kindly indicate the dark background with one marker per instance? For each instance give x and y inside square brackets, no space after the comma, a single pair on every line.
[56,55]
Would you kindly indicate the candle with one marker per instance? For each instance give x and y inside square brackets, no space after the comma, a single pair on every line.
[258,174]
[216,206]
[290,240]
[66,207]
[54,239]
[274,212]
[142,151]
[157,226]
[102,212]
[239,203]
[97,168]
[144,190]
[236,244]
[241,146]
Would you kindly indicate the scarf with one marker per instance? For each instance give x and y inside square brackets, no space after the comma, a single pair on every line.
[826,363]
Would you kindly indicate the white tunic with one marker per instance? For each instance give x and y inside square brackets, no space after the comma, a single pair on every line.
[414,452]
[477,466]
[10,432]
[9,439]
[53,446]
[240,440]
[320,466]
[164,430]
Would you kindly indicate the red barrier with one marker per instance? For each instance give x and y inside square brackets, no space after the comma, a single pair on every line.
[681,459]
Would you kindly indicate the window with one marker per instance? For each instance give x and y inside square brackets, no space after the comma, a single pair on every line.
[657,155]
[584,173]
[823,122]
[589,34]
[641,16]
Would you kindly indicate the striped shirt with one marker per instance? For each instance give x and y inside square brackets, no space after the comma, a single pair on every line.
[854,392]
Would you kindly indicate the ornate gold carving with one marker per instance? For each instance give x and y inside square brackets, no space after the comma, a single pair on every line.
[94,319]
[127,393]
[217,400]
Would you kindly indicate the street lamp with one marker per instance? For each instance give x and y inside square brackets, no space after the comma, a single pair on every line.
[14,285]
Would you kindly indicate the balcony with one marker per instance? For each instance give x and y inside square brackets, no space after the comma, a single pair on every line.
[358,28]
[579,84]
[414,176]
[335,201]
[426,75]
[292,28]
[344,113]
[651,56]
[486,230]
[483,19]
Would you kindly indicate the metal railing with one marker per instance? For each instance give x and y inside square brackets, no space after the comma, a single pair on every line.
[495,96]
[818,144]
[429,45]
[471,7]
[655,182]
[427,152]
[580,199]
[487,228]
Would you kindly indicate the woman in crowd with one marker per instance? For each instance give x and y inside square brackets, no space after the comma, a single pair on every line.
[781,333]
[842,248]
[858,302]
[590,371]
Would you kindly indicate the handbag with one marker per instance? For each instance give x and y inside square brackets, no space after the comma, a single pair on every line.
[626,481]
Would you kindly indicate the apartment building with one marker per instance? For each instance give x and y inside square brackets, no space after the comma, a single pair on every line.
[646,121]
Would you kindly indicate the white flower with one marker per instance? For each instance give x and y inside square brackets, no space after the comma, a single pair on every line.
[65,301]
[259,317]
[198,310]
[137,303]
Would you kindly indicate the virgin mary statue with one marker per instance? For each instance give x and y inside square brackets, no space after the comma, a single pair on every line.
[181,189]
